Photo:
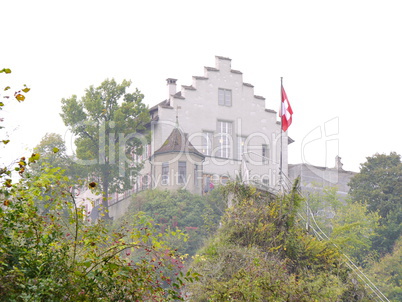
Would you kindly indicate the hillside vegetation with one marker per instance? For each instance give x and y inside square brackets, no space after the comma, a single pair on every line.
[262,253]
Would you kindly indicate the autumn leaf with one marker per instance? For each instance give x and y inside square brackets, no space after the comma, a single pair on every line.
[5,141]
[6,70]
[34,157]
[8,87]
[22,163]
[26,89]
[8,183]
[55,150]
[20,97]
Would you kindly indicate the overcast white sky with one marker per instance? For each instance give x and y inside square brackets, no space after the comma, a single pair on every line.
[341,62]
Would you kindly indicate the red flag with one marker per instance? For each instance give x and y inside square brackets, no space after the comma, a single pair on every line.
[286,111]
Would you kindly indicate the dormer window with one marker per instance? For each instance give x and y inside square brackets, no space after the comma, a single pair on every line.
[225,97]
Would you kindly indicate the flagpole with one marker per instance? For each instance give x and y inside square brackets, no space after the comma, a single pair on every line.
[280,160]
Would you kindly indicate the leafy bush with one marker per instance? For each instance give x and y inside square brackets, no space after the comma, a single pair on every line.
[193,215]
[57,256]
[261,253]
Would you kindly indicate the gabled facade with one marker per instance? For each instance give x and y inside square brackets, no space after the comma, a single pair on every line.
[225,122]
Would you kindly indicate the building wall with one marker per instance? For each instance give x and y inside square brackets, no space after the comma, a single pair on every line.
[315,178]
[193,181]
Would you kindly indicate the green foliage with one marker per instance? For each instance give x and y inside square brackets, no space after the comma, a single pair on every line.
[379,184]
[353,230]
[193,215]
[58,256]
[111,126]
[262,254]
[52,150]
[387,273]
[350,225]
[55,255]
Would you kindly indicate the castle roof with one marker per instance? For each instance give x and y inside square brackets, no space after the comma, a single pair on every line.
[178,142]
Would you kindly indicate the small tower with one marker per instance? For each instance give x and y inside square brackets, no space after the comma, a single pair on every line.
[177,164]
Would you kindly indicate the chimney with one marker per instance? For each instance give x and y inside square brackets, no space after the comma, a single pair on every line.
[171,83]
[338,163]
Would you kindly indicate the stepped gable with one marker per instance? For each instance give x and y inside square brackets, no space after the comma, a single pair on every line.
[178,142]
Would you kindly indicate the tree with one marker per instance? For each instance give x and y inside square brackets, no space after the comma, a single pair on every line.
[197,216]
[349,225]
[52,149]
[110,125]
[379,184]
[58,256]
[387,273]
[53,152]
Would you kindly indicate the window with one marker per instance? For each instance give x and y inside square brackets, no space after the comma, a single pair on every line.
[208,184]
[165,174]
[224,179]
[224,139]
[225,97]
[145,182]
[241,147]
[197,175]
[182,172]
[207,138]
[265,154]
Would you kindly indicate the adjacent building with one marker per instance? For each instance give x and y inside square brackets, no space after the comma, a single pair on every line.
[316,178]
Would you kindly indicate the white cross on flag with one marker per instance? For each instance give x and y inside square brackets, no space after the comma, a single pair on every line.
[286,111]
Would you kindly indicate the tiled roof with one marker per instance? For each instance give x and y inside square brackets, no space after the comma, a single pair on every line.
[178,142]
[163,103]
[223,58]
[211,68]
[188,87]
[178,95]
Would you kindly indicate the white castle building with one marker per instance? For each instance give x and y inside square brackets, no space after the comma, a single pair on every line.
[217,123]
[208,131]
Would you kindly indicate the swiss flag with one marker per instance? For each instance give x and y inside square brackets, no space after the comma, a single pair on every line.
[286,111]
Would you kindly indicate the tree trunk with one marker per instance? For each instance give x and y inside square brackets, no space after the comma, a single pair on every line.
[105,193]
